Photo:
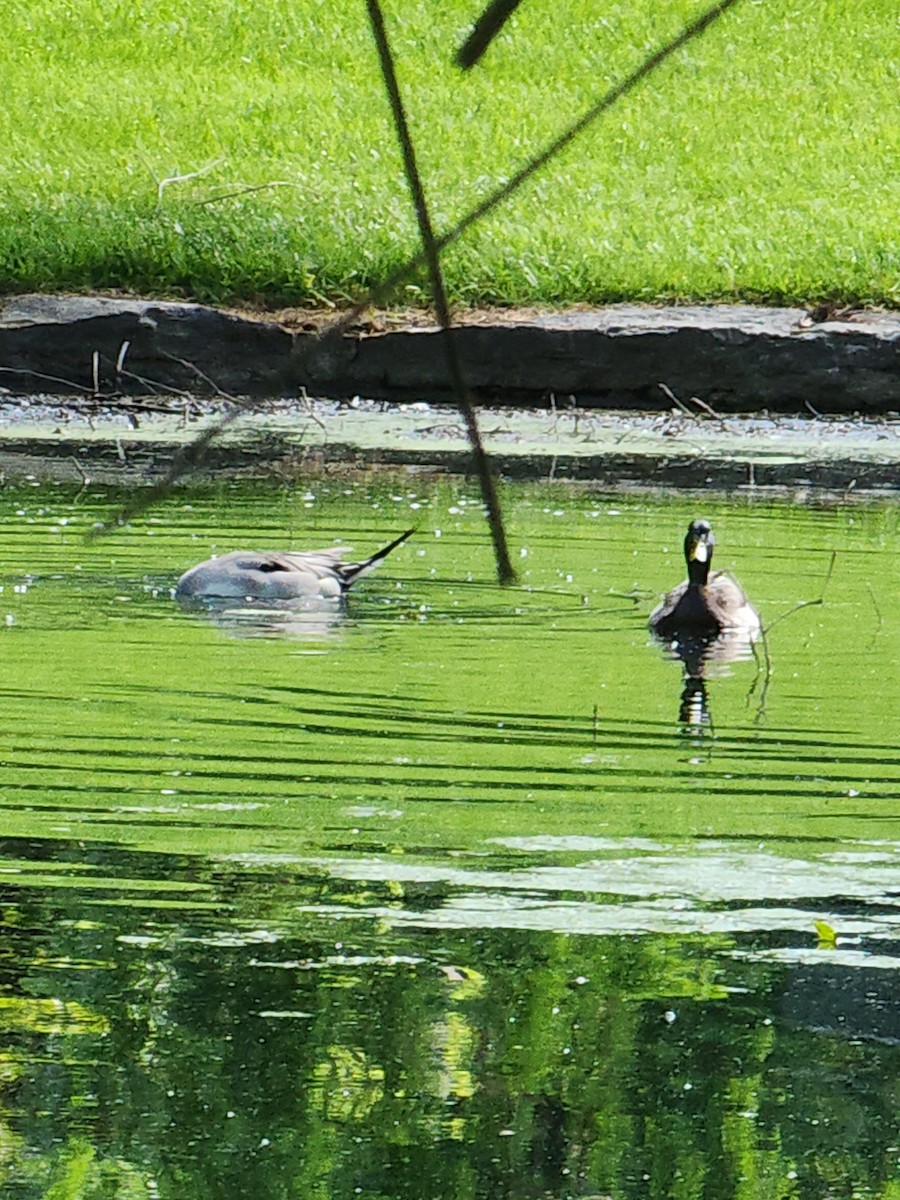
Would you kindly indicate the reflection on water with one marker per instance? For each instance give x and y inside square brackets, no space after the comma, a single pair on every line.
[312,619]
[236,1036]
[432,897]
[701,657]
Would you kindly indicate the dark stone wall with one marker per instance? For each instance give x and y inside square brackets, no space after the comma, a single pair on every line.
[734,359]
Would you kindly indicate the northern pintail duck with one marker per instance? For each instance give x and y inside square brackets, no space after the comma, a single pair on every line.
[249,574]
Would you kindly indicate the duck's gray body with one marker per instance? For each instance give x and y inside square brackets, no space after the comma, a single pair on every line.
[262,575]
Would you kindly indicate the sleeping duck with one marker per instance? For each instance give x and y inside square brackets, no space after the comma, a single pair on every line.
[704,605]
[249,574]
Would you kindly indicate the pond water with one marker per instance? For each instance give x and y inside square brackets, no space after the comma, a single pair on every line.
[464,892]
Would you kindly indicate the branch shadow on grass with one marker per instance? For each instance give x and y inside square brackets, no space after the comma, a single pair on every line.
[490,22]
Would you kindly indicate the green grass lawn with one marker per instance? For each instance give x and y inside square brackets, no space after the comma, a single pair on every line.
[762,162]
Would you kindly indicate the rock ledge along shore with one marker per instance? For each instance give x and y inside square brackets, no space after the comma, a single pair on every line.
[733,359]
[136,440]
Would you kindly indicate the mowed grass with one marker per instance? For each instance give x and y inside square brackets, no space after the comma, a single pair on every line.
[762,162]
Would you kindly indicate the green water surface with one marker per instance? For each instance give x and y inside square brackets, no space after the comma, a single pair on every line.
[450,894]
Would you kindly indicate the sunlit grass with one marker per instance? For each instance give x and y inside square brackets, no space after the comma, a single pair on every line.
[763,162]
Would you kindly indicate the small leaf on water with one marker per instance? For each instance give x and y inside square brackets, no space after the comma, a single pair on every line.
[827,936]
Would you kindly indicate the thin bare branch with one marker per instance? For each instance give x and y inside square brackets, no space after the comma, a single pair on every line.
[763,669]
[829,572]
[381,291]
[245,191]
[164,183]
[69,383]
[486,29]
[157,388]
[306,401]
[187,459]
[807,603]
[201,375]
[120,357]
[878,614]
[85,478]
[767,675]
[432,246]
[489,494]
[664,387]
[706,408]
[875,604]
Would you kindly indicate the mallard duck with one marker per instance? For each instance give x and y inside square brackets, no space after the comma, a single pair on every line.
[704,605]
[248,574]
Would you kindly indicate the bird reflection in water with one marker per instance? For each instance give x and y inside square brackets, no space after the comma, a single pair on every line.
[703,658]
[314,620]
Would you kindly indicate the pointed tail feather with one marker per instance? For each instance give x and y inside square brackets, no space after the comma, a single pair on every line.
[350,572]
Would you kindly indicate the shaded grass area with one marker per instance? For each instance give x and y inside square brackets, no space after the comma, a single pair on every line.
[761,163]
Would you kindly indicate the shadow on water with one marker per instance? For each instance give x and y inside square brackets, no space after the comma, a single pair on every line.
[438,897]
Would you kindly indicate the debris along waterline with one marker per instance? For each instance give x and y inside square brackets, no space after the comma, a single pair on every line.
[730,357]
[134,439]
